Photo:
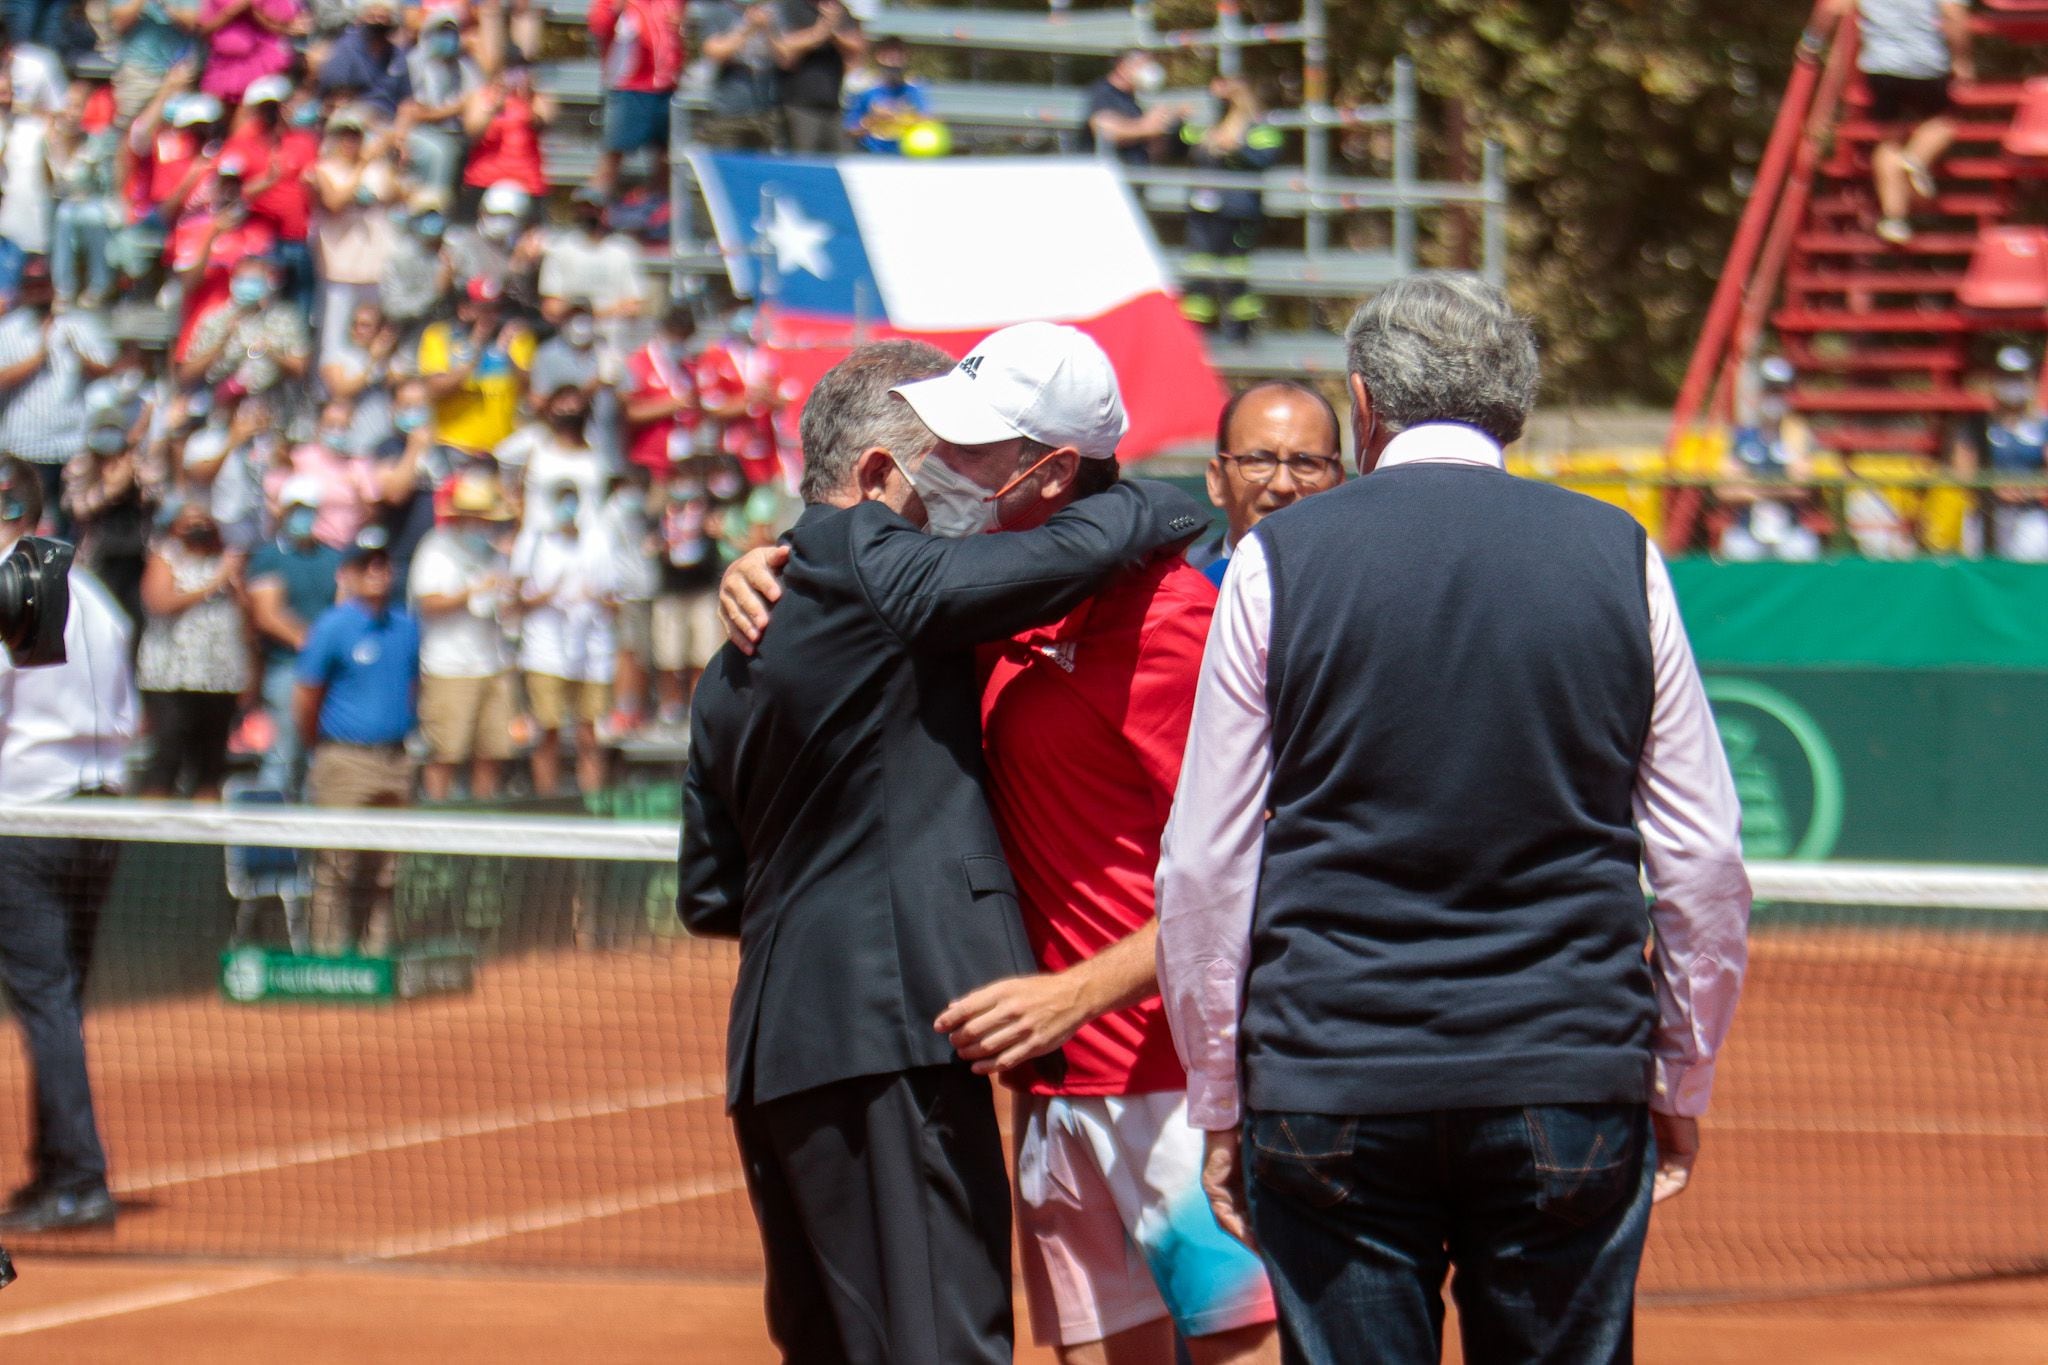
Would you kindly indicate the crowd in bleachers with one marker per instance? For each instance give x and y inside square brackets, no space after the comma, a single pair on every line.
[339,217]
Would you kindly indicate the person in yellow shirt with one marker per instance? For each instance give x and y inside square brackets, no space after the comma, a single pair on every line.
[476,369]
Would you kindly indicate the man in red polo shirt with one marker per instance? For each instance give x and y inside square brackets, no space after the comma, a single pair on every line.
[1084,722]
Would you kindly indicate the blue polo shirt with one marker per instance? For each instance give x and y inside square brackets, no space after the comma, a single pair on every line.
[369,666]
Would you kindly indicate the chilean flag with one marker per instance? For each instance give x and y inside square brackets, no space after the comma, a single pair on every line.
[870,248]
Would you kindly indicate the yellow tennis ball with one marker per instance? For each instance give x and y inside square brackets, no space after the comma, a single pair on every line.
[928,137]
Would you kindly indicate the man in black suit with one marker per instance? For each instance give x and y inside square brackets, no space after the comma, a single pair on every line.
[834,822]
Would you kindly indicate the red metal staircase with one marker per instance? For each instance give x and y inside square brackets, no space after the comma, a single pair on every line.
[1881,336]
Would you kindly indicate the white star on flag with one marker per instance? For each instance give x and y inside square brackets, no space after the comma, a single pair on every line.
[799,242]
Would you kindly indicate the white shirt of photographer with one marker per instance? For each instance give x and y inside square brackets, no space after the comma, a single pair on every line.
[570,634]
[67,728]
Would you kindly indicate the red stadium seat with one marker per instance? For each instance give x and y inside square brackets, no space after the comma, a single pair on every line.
[2028,133]
[2027,7]
[2008,270]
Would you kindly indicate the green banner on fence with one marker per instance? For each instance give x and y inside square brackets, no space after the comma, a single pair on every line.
[1880,711]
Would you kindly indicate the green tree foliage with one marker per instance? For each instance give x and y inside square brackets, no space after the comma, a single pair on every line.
[1631,129]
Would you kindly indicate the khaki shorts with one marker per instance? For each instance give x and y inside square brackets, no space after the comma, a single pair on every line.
[555,699]
[686,631]
[465,718]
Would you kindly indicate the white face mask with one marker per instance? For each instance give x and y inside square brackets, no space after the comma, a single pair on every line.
[955,506]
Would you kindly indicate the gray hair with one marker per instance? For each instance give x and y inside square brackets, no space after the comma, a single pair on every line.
[851,410]
[1444,347]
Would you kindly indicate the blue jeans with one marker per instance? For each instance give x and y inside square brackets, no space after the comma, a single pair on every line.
[81,228]
[284,767]
[1542,1210]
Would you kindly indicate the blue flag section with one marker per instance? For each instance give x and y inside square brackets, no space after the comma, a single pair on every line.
[790,235]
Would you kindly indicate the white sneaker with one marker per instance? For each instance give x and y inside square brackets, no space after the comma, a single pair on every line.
[1896,231]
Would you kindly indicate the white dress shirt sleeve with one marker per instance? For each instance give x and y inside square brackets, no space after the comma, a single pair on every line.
[1214,842]
[1691,825]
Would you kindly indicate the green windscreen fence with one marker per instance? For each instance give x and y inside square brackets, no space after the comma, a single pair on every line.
[1893,711]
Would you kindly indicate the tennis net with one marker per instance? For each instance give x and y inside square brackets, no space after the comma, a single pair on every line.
[536,1078]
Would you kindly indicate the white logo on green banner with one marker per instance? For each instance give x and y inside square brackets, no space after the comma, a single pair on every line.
[1762,730]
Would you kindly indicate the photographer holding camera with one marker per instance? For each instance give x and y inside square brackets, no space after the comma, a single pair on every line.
[65,729]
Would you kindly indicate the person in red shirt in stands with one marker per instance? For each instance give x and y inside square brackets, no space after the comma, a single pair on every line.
[742,387]
[277,151]
[641,42]
[662,404]
[211,239]
[1084,723]
[163,161]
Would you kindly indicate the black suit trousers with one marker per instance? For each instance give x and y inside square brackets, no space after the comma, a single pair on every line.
[885,1213]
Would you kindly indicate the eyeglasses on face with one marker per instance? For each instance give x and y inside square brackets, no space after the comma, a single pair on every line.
[1259,466]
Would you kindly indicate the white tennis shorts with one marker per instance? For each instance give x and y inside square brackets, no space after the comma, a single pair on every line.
[1114,1228]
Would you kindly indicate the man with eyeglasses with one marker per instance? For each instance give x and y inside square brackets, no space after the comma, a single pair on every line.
[1276,443]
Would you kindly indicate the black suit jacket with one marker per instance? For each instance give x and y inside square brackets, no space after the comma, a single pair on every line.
[833,817]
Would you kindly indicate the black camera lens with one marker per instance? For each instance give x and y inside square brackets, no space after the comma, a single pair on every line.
[35,599]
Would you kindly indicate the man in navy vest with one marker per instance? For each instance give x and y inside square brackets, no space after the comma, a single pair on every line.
[1446,718]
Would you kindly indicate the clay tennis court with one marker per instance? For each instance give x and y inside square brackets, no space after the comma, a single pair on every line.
[540,1169]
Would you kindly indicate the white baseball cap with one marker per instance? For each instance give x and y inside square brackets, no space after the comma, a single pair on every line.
[507,198]
[302,490]
[1041,380]
[267,90]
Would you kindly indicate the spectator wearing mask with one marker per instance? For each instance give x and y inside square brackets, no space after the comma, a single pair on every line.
[193,663]
[443,79]
[685,619]
[486,250]
[161,167]
[350,493]
[877,116]
[571,356]
[739,41]
[211,240]
[562,458]
[602,271]
[223,463]
[150,38]
[25,202]
[46,359]
[504,119]
[460,588]
[663,409]
[568,591]
[84,164]
[417,275]
[254,339]
[1765,512]
[814,43]
[246,40]
[1276,443]
[412,468]
[2011,441]
[275,135]
[361,372]
[291,585]
[641,45]
[625,525]
[358,685]
[476,369]
[111,500]
[1117,124]
[742,387]
[354,186]
[367,64]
